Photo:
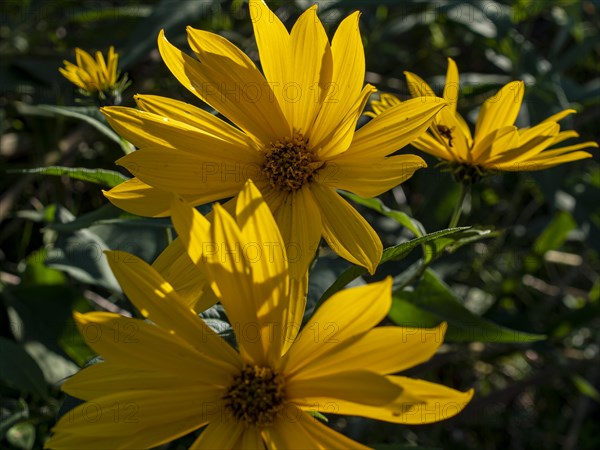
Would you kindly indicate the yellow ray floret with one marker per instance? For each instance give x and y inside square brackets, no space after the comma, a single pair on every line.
[170,375]
[293,133]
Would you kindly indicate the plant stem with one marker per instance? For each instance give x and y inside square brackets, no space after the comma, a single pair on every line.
[464,190]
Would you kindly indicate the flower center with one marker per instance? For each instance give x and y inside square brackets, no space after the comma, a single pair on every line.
[289,163]
[256,395]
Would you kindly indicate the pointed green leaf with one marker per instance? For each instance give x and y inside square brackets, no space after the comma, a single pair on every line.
[433,302]
[555,234]
[108,178]
[585,387]
[402,218]
[19,369]
[394,253]
[88,114]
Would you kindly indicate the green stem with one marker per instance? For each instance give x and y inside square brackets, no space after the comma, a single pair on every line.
[464,190]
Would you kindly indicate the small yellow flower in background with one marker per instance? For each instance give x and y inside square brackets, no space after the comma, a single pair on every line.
[497,144]
[293,134]
[170,375]
[97,77]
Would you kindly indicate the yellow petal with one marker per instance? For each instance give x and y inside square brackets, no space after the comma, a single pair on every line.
[430,144]
[86,62]
[137,197]
[549,159]
[395,127]
[421,402]
[102,379]
[242,299]
[250,439]
[145,129]
[299,224]
[564,135]
[358,386]
[343,98]
[464,128]
[297,301]
[194,231]
[454,138]
[219,434]
[310,70]
[559,116]
[157,301]
[452,86]
[438,402]
[273,41]
[512,148]
[264,250]
[483,146]
[369,177]
[229,82]
[346,231]
[296,430]
[417,86]
[195,117]
[386,101]
[113,62]
[341,133]
[383,350]
[501,110]
[258,226]
[201,178]
[176,267]
[139,419]
[140,345]
[345,314]
[101,67]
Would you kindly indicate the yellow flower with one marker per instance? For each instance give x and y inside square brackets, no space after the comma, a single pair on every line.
[497,143]
[293,134]
[92,76]
[170,375]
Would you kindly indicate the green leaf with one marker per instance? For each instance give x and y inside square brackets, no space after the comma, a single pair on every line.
[394,253]
[223,329]
[37,273]
[19,369]
[21,436]
[108,178]
[376,204]
[432,302]
[80,252]
[576,53]
[88,114]
[555,234]
[450,243]
[585,387]
[101,215]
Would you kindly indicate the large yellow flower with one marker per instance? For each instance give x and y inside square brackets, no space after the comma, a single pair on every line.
[92,75]
[497,144]
[293,133]
[170,375]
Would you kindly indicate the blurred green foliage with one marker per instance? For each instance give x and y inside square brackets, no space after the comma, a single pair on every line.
[539,272]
